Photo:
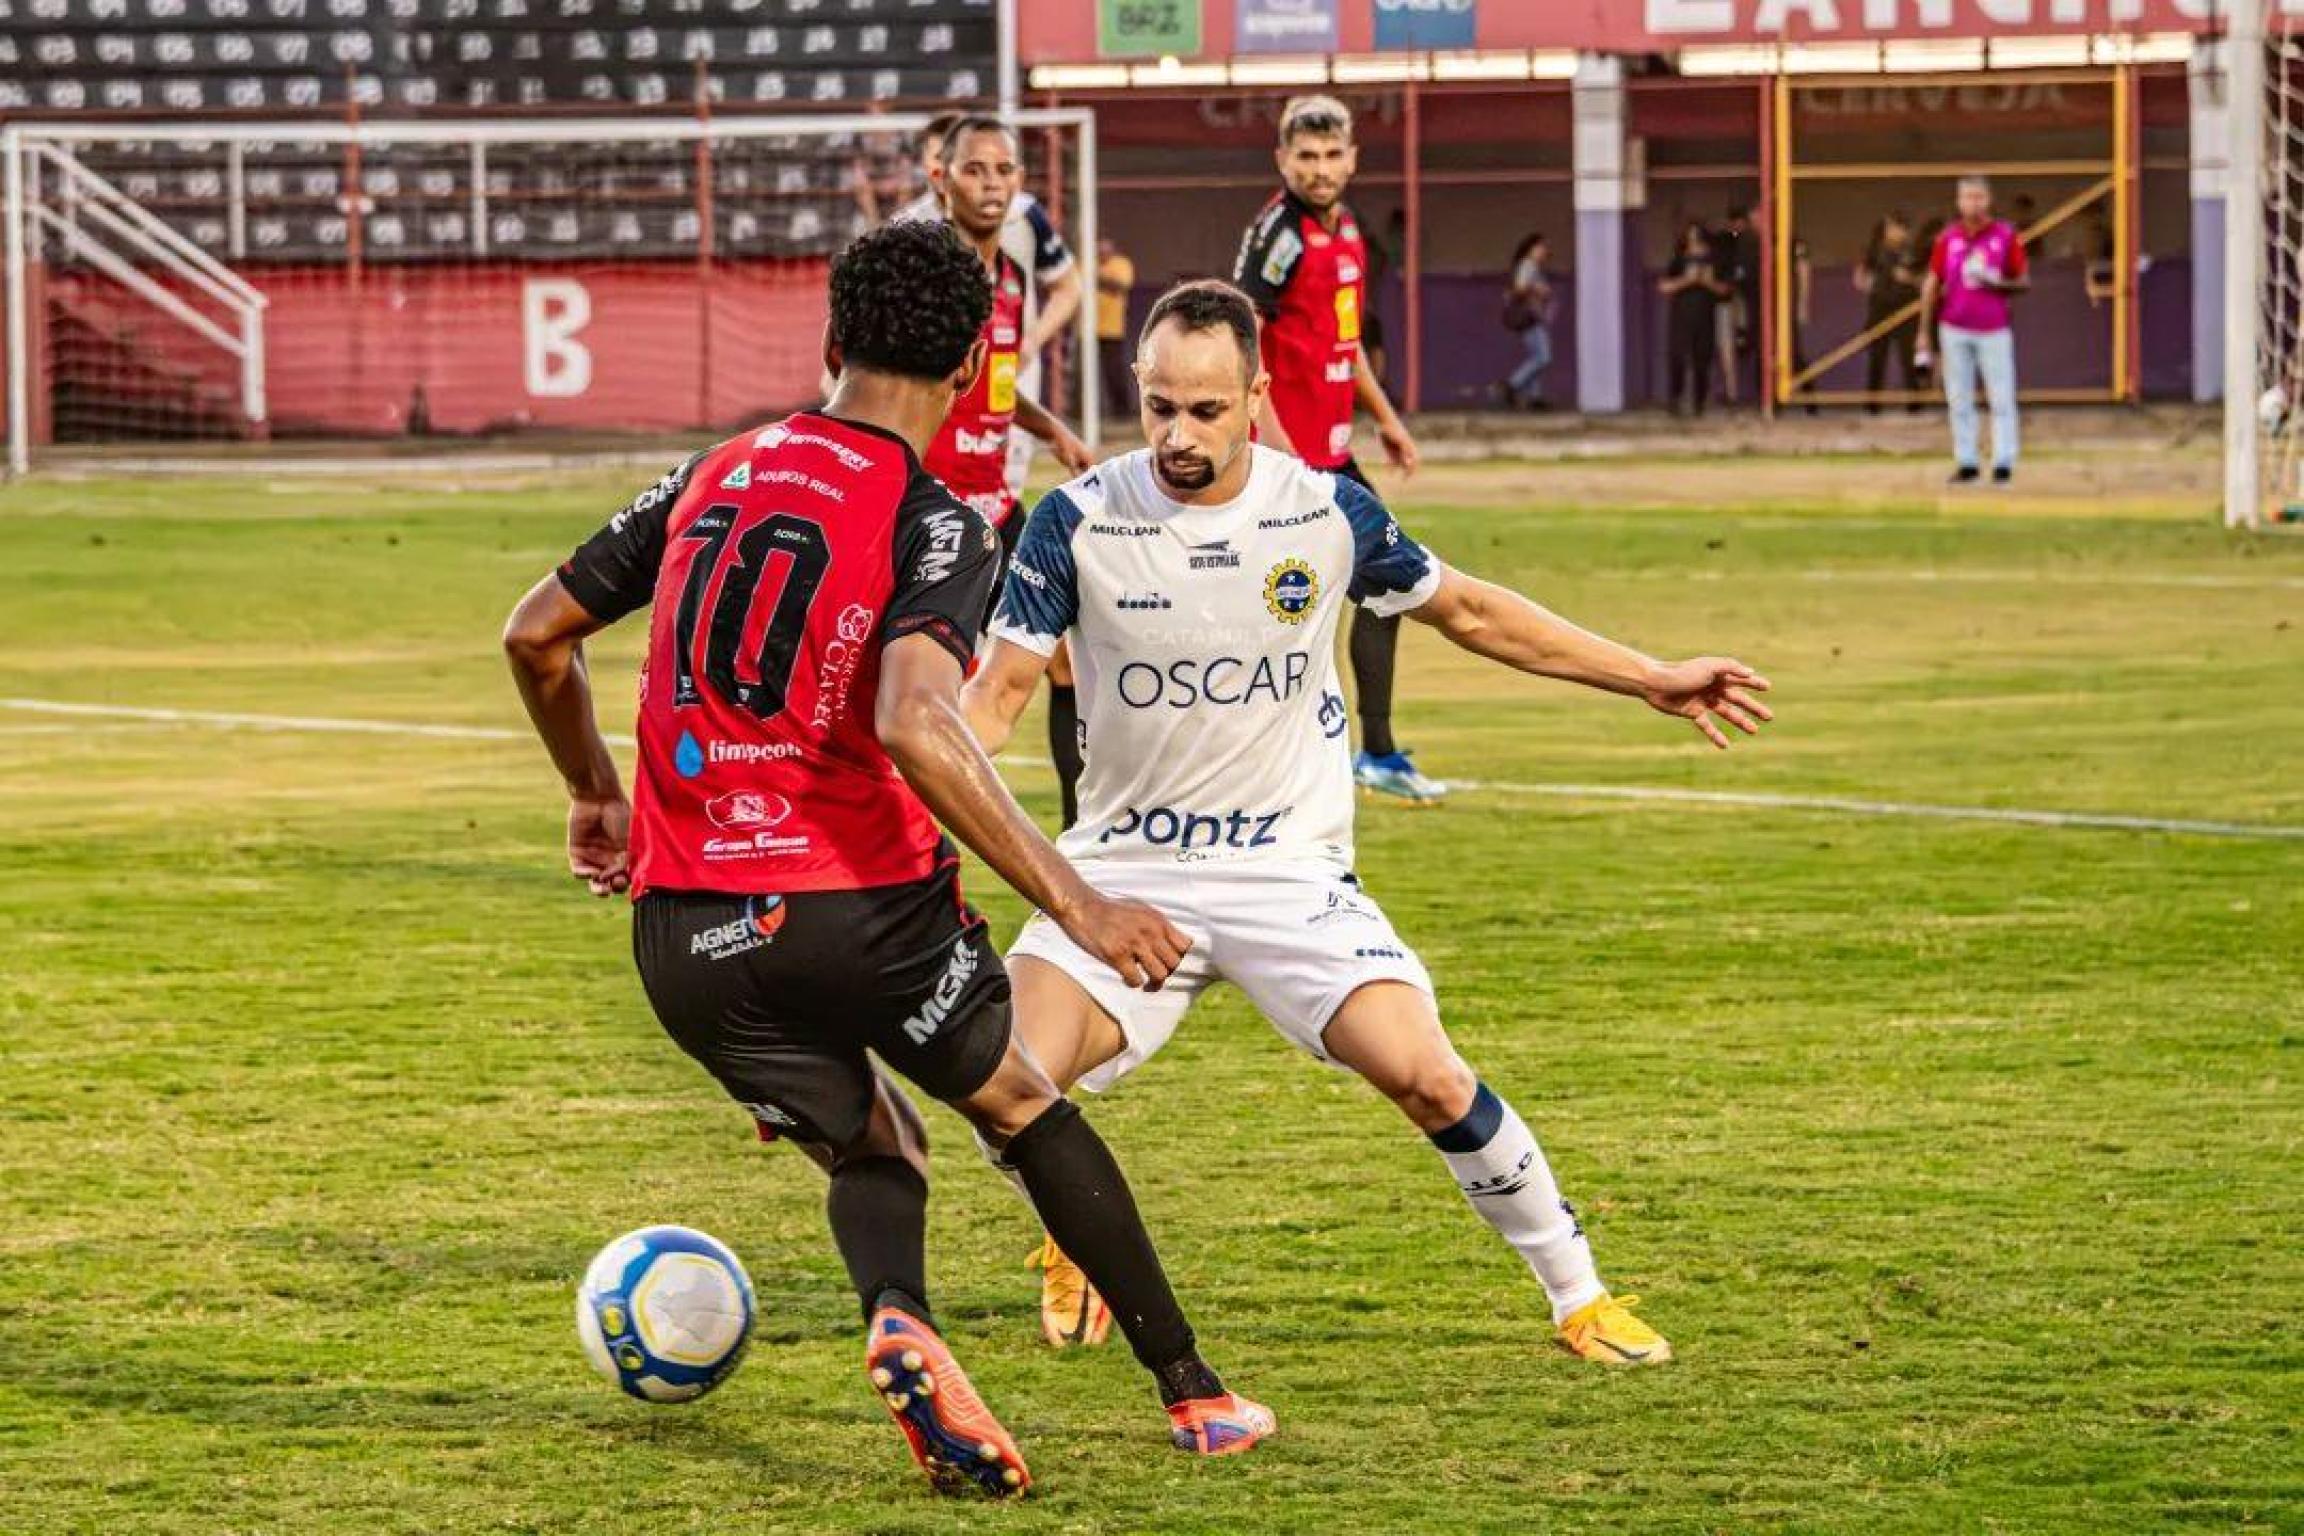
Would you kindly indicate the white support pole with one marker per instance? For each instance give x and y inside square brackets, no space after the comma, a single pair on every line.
[19,323]
[236,199]
[2244,240]
[1091,375]
[479,198]
[252,402]
[1011,77]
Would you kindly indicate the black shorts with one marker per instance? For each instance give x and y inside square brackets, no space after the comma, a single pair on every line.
[779,997]
[1350,470]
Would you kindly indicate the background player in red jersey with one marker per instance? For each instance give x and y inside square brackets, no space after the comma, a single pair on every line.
[983,176]
[1305,265]
[817,595]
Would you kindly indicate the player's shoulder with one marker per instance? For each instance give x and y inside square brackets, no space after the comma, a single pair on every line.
[1097,493]
[1277,214]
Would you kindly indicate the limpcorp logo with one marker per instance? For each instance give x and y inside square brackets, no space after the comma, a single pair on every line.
[1291,589]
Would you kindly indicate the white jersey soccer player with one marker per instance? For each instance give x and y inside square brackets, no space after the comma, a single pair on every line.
[1200,583]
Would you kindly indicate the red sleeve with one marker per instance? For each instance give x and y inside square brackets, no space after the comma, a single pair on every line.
[1936,254]
[2018,262]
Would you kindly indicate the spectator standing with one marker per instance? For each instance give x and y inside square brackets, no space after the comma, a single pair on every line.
[1528,312]
[1735,248]
[1976,267]
[1696,295]
[1115,278]
[1889,279]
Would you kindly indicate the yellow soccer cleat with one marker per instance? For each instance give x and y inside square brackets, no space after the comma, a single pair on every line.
[1606,1331]
[1070,1310]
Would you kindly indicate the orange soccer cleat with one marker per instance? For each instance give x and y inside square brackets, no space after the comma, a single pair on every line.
[1070,1310]
[952,1434]
[1219,1426]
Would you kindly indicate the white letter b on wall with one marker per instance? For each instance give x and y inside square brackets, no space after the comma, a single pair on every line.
[553,310]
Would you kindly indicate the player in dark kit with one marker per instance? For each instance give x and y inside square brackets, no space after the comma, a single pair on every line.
[817,596]
[1305,265]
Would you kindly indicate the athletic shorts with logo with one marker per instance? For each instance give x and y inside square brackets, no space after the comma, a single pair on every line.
[1297,938]
[779,997]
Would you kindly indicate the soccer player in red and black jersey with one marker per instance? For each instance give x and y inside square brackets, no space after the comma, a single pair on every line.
[817,596]
[1305,265]
[983,175]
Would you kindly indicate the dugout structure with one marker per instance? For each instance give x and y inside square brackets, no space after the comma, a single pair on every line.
[2073,192]
[242,281]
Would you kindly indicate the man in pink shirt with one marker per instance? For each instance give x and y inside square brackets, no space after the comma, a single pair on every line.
[1977,265]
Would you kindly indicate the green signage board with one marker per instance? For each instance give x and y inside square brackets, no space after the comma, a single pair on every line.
[1146,29]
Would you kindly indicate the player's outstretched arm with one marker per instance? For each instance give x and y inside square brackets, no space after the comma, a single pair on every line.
[1006,678]
[1500,624]
[918,717]
[544,641]
[1062,441]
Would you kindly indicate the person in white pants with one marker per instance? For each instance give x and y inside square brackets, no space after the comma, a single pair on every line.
[1977,265]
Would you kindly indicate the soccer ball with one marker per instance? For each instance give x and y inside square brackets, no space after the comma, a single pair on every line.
[665,1313]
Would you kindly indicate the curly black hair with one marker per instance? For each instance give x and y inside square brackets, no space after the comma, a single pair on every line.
[909,299]
[1208,304]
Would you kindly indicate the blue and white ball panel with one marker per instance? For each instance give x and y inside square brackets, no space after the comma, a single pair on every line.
[665,1313]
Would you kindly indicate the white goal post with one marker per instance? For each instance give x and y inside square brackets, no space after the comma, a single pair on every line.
[244,281]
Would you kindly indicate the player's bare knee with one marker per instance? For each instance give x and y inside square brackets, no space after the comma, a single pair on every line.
[1435,1093]
[1016,1094]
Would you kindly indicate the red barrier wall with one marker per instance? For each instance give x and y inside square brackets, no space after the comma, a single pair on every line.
[599,346]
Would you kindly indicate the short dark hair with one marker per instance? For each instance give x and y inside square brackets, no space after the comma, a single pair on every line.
[938,130]
[975,122]
[1207,305]
[909,299]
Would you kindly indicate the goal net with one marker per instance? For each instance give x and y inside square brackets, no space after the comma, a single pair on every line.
[2264,267]
[430,281]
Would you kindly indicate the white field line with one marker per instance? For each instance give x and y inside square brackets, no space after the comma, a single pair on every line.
[1828,804]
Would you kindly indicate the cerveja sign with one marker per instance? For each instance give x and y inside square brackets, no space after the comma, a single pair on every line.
[1427,23]
[1147,28]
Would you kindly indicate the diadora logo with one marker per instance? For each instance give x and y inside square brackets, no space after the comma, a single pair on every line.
[738,479]
[748,808]
[922,1026]
[1142,601]
[1191,830]
[1216,557]
[1379,952]
[1125,530]
[1291,590]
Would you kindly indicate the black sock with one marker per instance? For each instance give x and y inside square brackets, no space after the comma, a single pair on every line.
[1064,745]
[878,1207]
[1375,642]
[1084,1201]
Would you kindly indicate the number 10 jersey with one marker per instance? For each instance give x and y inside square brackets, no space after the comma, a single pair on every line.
[779,563]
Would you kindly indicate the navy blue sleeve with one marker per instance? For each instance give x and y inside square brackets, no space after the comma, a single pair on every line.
[1042,598]
[1051,257]
[1391,572]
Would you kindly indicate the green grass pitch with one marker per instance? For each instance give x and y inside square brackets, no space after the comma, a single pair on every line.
[1959,1160]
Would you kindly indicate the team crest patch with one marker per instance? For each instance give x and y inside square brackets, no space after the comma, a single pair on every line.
[1291,590]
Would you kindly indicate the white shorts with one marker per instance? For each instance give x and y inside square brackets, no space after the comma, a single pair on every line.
[1297,938]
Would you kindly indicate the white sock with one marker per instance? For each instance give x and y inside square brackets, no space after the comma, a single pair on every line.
[1502,1172]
